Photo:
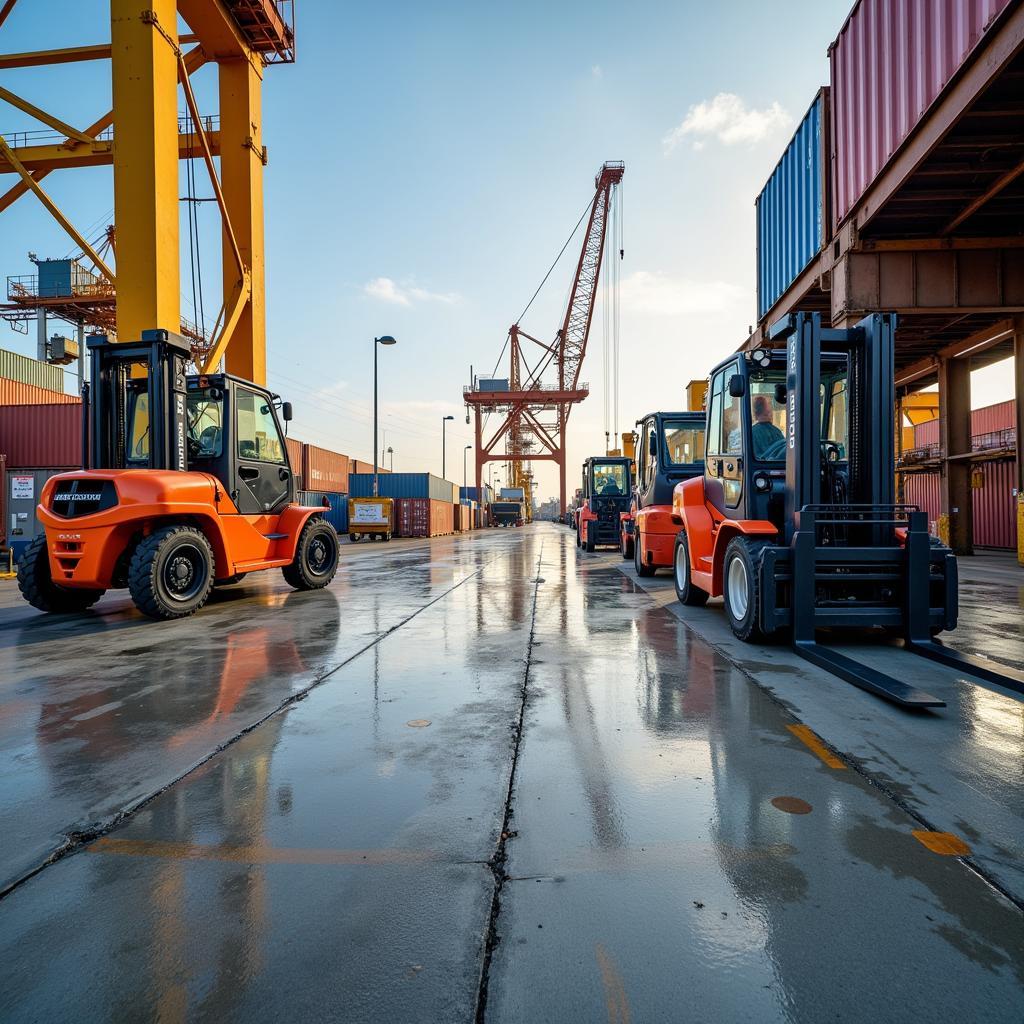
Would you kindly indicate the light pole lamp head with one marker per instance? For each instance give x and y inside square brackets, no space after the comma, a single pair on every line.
[385,340]
[449,417]
[391,451]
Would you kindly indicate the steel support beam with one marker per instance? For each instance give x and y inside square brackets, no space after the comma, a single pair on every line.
[59,157]
[64,55]
[241,170]
[215,29]
[956,520]
[144,73]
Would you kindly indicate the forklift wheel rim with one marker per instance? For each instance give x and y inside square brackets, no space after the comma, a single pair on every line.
[319,558]
[185,572]
[682,565]
[739,589]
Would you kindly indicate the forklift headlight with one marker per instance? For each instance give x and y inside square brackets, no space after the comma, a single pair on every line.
[761,482]
[762,357]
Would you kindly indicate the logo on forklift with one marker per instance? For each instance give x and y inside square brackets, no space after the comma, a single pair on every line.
[791,411]
[179,425]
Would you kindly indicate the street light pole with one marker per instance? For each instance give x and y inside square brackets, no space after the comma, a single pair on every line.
[391,459]
[465,482]
[383,340]
[444,446]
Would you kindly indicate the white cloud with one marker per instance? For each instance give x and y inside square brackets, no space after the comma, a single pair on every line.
[662,294]
[597,71]
[729,120]
[386,290]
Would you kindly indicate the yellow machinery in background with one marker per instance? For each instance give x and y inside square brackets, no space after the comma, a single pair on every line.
[696,391]
[370,517]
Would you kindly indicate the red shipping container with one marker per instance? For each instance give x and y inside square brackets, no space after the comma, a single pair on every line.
[42,436]
[995,506]
[295,458]
[324,470]
[992,419]
[889,63]
[425,517]
[13,392]
[924,490]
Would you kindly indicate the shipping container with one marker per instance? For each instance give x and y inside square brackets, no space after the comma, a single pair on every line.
[424,517]
[335,506]
[925,491]
[14,392]
[473,494]
[992,419]
[60,278]
[294,447]
[25,370]
[42,435]
[402,485]
[792,209]
[324,470]
[492,384]
[889,64]
[22,488]
[3,502]
[993,486]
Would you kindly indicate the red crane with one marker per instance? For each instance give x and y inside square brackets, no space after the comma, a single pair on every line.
[535,403]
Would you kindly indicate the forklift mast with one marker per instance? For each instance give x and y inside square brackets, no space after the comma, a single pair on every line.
[149,374]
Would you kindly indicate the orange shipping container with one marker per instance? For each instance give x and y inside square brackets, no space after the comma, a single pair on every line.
[13,392]
[425,517]
[295,458]
[323,470]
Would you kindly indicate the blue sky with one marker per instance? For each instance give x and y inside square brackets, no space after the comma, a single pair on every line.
[427,161]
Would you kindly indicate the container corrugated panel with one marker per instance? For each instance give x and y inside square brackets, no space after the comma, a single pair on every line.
[324,470]
[889,63]
[995,505]
[42,435]
[993,418]
[926,434]
[924,490]
[23,487]
[474,494]
[14,392]
[335,509]
[295,458]
[14,366]
[792,209]
[425,517]
[402,485]
[3,494]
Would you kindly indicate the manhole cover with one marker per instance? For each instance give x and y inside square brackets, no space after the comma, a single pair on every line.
[418,723]
[791,805]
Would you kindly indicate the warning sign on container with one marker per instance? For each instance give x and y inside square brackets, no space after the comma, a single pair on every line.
[23,487]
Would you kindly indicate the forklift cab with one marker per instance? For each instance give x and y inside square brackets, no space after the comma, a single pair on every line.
[607,488]
[148,414]
[749,433]
[670,450]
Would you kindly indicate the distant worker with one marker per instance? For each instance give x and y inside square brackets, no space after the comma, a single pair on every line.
[764,432]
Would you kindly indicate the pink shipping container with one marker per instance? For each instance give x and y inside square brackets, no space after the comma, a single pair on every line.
[425,517]
[924,490]
[324,470]
[890,62]
[13,392]
[991,420]
[42,436]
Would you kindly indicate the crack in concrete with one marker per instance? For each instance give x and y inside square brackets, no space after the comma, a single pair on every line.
[497,861]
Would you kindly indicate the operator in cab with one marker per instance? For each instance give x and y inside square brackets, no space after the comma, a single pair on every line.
[764,433]
[610,489]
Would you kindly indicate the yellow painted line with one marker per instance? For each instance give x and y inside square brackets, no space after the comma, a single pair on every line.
[255,854]
[814,744]
[614,989]
[945,843]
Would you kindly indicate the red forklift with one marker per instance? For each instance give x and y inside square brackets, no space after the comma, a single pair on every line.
[607,483]
[794,520]
[185,484]
[670,450]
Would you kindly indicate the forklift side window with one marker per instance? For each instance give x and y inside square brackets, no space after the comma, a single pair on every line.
[683,444]
[258,437]
[768,415]
[715,418]
[205,424]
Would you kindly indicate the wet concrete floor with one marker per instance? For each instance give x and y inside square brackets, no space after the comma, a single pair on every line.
[494,778]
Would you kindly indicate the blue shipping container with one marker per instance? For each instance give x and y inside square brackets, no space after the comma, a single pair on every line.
[471,494]
[401,485]
[336,514]
[792,209]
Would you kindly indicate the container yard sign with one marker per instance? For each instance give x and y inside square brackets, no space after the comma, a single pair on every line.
[365,512]
[23,487]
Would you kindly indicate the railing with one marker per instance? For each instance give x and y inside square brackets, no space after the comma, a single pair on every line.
[995,439]
[25,288]
[470,390]
[48,137]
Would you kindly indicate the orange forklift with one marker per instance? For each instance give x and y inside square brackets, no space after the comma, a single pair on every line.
[794,520]
[185,485]
[670,450]
[607,483]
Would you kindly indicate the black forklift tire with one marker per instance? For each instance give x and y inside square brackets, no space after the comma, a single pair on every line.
[316,557]
[37,586]
[353,537]
[741,588]
[626,546]
[646,571]
[579,541]
[686,591]
[588,544]
[171,573]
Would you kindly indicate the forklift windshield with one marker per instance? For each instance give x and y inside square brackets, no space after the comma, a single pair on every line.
[768,412]
[683,443]
[610,480]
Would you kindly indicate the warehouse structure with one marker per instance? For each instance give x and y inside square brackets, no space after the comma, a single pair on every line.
[903,190]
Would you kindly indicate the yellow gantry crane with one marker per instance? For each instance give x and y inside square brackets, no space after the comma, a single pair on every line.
[142,139]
